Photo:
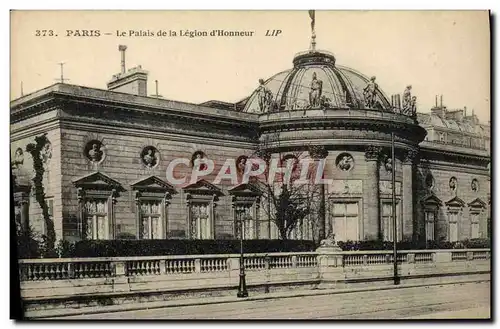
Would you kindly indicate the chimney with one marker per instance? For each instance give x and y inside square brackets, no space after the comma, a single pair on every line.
[122,49]
[436,100]
[457,115]
[465,111]
[398,101]
[439,111]
[134,81]
[441,101]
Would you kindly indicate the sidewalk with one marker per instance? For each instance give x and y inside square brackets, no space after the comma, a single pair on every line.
[470,313]
[61,313]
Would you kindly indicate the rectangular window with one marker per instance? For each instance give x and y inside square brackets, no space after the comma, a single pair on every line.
[151,219]
[345,221]
[274,234]
[453,226]
[303,230]
[429,225]
[201,225]
[388,222]
[248,223]
[474,229]
[96,214]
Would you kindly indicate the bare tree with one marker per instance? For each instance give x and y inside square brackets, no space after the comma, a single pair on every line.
[293,203]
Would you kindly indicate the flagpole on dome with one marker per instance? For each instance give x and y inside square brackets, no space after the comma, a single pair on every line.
[312,15]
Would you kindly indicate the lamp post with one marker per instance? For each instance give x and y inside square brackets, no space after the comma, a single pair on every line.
[395,228]
[242,287]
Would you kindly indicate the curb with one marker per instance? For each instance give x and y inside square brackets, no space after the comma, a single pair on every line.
[231,299]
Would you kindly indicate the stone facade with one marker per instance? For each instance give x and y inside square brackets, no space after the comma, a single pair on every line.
[110,152]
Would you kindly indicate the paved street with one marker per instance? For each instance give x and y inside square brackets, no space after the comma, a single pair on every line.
[470,300]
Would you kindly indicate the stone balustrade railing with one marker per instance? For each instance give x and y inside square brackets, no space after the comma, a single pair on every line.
[83,268]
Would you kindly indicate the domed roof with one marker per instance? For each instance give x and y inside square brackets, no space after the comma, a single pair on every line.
[314,82]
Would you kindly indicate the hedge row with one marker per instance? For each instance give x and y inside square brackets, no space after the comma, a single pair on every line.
[28,248]
[119,248]
[413,245]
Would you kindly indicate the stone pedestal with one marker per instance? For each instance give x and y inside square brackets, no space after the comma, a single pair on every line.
[330,263]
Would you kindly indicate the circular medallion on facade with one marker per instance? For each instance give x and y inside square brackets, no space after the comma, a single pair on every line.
[94,151]
[453,183]
[344,162]
[429,181]
[196,160]
[474,185]
[241,162]
[150,156]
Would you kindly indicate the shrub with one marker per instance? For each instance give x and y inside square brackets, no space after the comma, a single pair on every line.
[27,244]
[477,243]
[65,248]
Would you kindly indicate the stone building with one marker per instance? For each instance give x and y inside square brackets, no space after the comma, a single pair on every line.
[109,151]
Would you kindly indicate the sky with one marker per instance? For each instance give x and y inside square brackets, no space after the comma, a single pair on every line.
[437,52]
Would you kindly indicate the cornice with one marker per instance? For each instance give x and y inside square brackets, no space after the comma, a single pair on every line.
[340,143]
[35,129]
[435,145]
[454,131]
[144,105]
[456,167]
[193,136]
[432,154]
[166,114]
[411,131]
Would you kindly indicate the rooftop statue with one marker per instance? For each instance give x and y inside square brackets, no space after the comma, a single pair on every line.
[407,101]
[413,106]
[315,92]
[370,93]
[265,97]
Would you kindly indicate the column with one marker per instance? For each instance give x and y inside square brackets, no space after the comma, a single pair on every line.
[371,198]
[164,216]
[257,219]
[407,193]
[212,223]
[138,219]
[111,217]
[317,153]
[189,217]
[81,225]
